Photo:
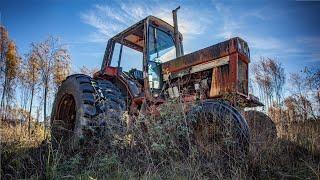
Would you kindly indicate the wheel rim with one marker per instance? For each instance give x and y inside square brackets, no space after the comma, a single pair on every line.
[66,116]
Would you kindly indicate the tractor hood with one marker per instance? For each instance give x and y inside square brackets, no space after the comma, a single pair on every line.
[217,51]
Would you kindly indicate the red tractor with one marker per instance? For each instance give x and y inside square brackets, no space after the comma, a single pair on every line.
[212,81]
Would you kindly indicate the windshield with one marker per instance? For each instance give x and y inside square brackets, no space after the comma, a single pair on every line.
[161,46]
[161,49]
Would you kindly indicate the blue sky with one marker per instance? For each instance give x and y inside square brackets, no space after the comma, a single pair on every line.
[286,30]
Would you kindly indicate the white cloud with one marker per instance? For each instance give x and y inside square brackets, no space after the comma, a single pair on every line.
[233,23]
[310,41]
[110,20]
[237,24]
[265,43]
[223,20]
[229,26]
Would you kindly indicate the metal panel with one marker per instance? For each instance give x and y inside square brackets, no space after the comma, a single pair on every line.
[211,64]
[198,68]
[201,56]
[220,80]
[224,77]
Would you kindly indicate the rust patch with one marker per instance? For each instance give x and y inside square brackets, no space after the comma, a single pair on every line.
[201,56]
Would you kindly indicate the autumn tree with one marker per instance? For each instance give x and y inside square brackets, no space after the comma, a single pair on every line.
[62,67]
[9,68]
[4,39]
[52,57]
[32,70]
[3,49]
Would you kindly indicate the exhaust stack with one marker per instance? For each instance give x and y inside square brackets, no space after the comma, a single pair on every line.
[178,44]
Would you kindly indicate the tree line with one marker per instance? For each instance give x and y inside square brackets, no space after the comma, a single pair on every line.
[289,99]
[31,78]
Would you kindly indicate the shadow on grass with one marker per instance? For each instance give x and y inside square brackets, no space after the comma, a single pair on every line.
[19,161]
[284,159]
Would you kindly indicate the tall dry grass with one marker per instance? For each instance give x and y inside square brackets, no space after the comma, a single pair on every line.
[22,155]
[151,148]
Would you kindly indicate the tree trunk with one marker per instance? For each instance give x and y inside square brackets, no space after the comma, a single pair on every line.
[30,110]
[45,108]
[2,105]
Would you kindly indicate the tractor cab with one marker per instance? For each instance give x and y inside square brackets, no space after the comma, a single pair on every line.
[156,67]
[151,42]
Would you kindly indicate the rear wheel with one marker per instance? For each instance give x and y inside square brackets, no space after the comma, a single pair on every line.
[220,133]
[262,128]
[83,107]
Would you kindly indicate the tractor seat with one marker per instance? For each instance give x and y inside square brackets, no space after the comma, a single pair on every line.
[137,75]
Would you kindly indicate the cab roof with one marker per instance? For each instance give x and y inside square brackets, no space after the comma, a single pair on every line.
[133,36]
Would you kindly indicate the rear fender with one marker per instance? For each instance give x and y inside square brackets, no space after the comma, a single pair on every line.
[209,105]
[129,87]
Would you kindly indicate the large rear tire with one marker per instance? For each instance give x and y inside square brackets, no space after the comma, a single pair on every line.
[220,133]
[82,107]
[263,129]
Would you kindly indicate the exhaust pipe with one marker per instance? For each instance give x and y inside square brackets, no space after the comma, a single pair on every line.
[178,44]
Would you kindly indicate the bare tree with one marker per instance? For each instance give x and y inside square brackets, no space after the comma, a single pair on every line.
[88,71]
[298,108]
[313,84]
[23,91]
[32,80]
[278,78]
[23,86]
[48,53]
[263,80]
[305,92]
[270,78]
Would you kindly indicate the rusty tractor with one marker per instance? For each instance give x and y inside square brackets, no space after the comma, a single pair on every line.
[212,82]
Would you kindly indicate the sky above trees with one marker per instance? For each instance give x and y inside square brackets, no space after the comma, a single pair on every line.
[287,31]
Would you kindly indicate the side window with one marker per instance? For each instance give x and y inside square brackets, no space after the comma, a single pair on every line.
[130,58]
[161,48]
[242,77]
[115,55]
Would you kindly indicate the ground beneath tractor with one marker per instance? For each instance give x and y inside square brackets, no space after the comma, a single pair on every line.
[156,155]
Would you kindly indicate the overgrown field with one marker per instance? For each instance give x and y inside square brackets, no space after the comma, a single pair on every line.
[154,155]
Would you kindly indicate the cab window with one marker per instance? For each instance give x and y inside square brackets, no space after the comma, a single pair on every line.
[161,48]
[130,58]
